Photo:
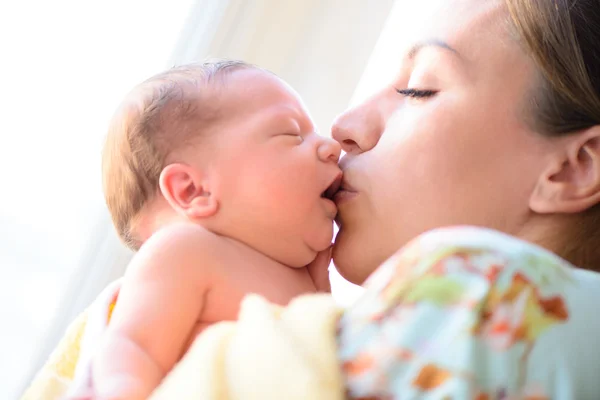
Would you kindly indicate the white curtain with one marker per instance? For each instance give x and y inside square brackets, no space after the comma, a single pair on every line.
[65,66]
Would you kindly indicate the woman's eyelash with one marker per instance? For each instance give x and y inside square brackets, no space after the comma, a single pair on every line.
[416,93]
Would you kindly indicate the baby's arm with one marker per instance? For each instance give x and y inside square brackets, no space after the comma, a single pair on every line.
[161,300]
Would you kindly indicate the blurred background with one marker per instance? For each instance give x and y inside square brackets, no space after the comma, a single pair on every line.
[67,64]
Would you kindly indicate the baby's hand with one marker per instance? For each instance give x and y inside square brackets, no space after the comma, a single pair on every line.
[121,392]
[124,388]
[82,388]
[319,271]
[81,396]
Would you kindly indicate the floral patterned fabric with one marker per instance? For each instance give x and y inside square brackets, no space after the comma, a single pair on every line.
[469,313]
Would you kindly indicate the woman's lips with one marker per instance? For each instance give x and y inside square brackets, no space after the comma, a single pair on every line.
[345,193]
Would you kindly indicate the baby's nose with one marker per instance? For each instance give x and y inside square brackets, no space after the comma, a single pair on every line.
[329,150]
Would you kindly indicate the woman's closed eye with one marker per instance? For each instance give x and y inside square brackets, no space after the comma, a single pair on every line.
[416,93]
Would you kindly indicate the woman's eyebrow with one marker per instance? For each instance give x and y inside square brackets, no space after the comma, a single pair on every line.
[431,43]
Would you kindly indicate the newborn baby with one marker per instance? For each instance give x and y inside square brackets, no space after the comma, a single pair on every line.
[215,175]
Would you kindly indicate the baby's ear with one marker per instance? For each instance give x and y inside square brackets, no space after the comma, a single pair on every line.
[571,183]
[187,190]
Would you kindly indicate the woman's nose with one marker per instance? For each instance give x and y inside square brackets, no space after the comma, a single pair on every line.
[329,150]
[358,129]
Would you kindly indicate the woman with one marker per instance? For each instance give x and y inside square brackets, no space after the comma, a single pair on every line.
[493,120]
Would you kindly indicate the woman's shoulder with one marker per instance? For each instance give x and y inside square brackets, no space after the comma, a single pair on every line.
[483,239]
[484,249]
[502,266]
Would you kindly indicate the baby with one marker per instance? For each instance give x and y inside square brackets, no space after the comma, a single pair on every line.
[215,175]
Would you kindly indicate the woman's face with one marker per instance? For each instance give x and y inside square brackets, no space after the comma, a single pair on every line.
[444,143]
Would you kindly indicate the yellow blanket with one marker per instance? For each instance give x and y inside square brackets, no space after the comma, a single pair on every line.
[271,352]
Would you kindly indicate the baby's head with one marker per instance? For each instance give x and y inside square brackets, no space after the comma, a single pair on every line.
[226,145]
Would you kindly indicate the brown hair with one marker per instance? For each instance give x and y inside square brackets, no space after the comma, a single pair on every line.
[562,37]
[157,117]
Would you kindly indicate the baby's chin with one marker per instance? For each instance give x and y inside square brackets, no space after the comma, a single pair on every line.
[306,256]
[322,242]
[302,258]
[309,247]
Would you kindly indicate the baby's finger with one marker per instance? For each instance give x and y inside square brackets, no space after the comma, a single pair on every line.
[319,271]
[82,388]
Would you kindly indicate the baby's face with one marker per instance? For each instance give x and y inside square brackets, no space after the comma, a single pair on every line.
[272,170]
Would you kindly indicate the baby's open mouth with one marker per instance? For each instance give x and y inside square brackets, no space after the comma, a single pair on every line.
[332,188]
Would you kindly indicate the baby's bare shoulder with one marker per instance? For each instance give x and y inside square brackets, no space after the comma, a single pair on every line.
[185,237]
[180,247]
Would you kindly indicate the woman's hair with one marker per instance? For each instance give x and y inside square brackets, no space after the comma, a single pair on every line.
[563,38]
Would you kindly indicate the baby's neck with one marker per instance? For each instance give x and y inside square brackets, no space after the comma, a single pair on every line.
[278,282]
[281,282]
[155,216]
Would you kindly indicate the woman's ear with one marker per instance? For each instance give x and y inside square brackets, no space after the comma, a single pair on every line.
[187,190]
[571,183]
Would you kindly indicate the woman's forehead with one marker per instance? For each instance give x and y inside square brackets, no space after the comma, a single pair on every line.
[466,25]
[463,23]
